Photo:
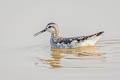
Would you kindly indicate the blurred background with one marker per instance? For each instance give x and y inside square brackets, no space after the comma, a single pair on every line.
[24,57]
[20,19]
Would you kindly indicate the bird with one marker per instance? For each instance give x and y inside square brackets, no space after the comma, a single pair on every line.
[56,41]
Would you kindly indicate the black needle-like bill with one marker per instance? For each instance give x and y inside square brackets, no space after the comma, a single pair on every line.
[36,34]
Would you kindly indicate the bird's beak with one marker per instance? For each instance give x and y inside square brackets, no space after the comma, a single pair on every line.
[36,34]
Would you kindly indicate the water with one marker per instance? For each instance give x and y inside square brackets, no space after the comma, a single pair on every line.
[42,62]
[85,57]
[24,57]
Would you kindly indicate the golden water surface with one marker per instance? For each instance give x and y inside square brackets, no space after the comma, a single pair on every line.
[80,53]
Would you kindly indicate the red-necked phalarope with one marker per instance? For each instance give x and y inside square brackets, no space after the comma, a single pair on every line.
[72,42]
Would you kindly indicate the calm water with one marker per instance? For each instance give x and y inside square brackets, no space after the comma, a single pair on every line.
[38,61]
[23,57]
[85,57]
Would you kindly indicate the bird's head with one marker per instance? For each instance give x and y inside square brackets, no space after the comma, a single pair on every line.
[51,27]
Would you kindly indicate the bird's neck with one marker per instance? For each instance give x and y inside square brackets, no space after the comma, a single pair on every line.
[55,35]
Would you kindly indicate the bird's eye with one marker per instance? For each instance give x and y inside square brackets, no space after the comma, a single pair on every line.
[49,26]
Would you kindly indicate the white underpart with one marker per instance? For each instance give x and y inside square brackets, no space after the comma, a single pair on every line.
[90,42]
[74,43]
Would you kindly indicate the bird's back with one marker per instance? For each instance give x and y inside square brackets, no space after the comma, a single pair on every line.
[73,42]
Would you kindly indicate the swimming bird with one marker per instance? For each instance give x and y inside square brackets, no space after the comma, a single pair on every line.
[71,42]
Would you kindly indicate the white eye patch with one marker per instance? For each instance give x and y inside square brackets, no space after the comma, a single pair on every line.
[51,30]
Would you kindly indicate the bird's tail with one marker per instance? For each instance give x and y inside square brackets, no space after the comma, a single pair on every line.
[97,34]
[92,39]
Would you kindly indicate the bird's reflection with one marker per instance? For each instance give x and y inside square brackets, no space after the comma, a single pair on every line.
[88,52]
